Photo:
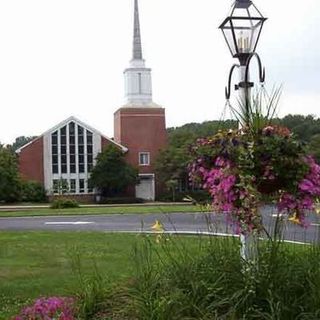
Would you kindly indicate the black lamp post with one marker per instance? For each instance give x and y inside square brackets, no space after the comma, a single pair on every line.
[241,30]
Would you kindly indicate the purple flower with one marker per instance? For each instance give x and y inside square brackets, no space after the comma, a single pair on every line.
[53,308]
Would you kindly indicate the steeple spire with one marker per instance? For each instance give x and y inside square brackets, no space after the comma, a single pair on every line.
[137,48]
[138,84]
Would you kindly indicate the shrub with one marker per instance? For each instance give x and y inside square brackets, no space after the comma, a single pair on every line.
[32,191]
[64,203]
[120,200]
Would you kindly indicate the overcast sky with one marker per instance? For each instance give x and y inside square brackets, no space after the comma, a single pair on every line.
[66,57]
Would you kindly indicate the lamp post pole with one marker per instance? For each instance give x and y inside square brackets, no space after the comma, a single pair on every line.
[241,30]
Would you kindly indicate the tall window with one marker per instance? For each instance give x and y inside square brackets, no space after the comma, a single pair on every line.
[89,151]
[144,158]
[63,149]
[54,152]
[72,147]
[72,157]
[81,149]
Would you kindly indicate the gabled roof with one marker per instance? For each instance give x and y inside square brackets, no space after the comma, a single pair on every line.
[66,121]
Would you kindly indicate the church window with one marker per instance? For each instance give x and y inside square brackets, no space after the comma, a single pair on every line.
[89,151]
[81,185]
[71,128]
[89,138]
[71,158]
[55,138]
[63,130]
[80,139]
[144,158]
[72,186]
[72,139]
[55,186]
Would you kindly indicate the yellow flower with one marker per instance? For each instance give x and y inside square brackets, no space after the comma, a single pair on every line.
[158,238]
[158,227]
[295,219]
[317,207]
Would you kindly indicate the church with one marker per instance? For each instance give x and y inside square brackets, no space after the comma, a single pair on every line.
[67,152]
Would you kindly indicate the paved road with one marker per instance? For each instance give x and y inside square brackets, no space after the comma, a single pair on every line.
[180,222]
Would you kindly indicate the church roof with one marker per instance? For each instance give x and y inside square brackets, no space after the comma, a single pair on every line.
[66,121]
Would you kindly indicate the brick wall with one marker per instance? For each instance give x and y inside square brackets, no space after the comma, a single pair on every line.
[31,161]
[141,130]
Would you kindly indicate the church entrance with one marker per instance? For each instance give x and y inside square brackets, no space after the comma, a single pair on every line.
[145,189]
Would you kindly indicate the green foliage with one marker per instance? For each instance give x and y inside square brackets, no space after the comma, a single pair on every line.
[120,200]
[211,283]
[20,142]
[313,146]
[172,162]
[305,127]
[9,177]
[32,191]
[111,174]
[284,156]
[64,204]
[93,287]
[258,111]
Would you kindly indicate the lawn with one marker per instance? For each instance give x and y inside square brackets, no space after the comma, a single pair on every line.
[40,263]
[101,210]
[192,273]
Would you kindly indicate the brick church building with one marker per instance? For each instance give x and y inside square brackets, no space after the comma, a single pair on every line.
[67,151]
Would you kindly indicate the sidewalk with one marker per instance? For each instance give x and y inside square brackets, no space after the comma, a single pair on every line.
[16,207]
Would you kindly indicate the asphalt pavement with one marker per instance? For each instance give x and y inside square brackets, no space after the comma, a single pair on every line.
[188,223]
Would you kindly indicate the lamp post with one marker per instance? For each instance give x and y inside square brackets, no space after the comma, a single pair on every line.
[241,30]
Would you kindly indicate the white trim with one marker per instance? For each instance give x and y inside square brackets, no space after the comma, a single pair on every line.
[144,164]
[28,143]
[65,122]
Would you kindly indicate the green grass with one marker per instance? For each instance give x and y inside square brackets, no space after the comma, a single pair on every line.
[215,284]
[101,210]
[34,264]
[37,264]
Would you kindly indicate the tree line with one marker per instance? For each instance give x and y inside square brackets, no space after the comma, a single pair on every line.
[172,162]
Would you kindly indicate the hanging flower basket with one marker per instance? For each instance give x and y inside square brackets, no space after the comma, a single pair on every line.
[240,169]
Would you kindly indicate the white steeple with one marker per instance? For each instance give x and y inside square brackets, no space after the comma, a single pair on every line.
[138,87]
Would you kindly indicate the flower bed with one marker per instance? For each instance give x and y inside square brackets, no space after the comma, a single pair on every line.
[53,308]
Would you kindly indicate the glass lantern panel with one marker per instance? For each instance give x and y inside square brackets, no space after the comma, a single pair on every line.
[246,32]
[228,35]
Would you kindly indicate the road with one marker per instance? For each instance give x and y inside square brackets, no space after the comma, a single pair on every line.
[176,222]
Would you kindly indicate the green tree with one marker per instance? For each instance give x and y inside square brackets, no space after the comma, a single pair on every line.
[313,146]
[172,162]
[305,127]
[111,174]
[32,191]
[20,142]
[9,176]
